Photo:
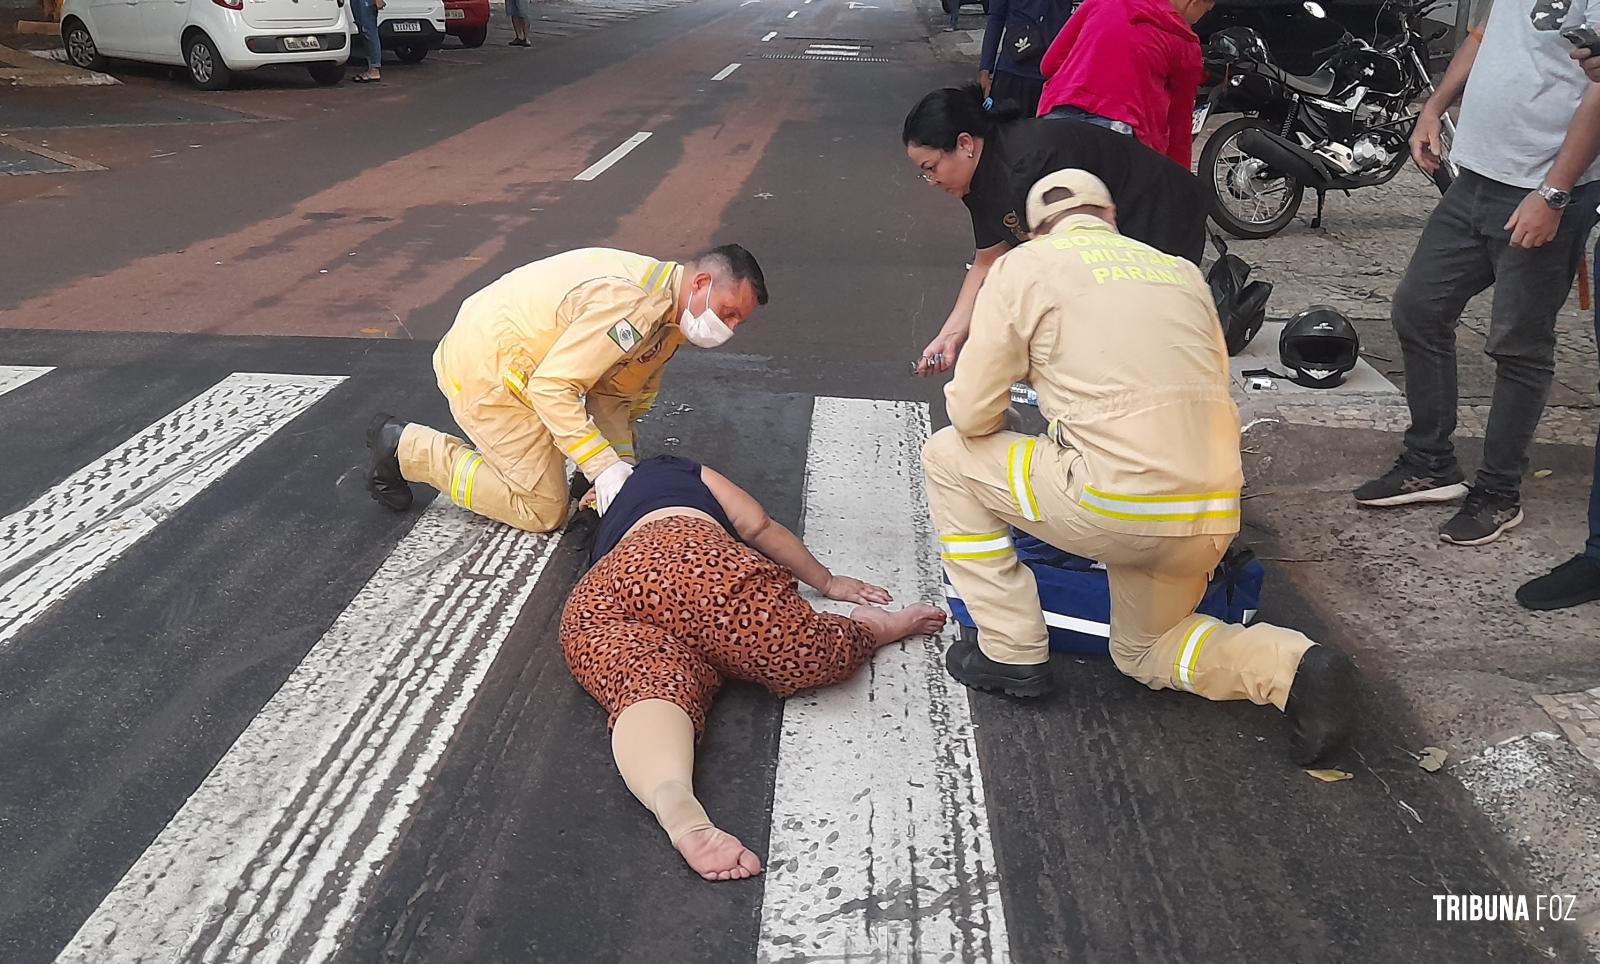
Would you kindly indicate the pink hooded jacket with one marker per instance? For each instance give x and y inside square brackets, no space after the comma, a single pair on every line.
[1135,61]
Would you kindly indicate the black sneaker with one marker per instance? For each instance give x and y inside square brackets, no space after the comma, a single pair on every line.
[384,481]
[1573,582]
[1321,706]
[1482,519]
[965,662]
[1406,485]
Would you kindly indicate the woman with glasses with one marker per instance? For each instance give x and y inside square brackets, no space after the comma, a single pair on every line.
[981,152]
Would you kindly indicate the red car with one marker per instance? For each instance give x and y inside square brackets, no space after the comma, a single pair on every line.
[467,19]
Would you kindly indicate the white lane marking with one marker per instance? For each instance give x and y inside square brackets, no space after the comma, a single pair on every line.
[769,36]
[82,524]
[15,376]
[880,846]
[272,856]
[855,47]
[791,14]
[819,52]
[622,150]
[724,72]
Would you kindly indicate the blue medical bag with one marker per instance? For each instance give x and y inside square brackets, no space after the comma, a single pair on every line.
[1076,595]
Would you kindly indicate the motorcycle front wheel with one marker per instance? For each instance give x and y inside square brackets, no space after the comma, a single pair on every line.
[1247,200]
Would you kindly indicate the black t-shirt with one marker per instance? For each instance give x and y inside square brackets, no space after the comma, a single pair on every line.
[1158,202]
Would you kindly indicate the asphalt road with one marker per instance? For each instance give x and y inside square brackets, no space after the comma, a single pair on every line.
[245,714]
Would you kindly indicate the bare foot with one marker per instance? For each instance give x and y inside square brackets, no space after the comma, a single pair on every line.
[718,855]
[917,619]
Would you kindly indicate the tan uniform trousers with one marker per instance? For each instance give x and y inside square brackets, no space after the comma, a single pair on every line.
[512,471]
[1156,581]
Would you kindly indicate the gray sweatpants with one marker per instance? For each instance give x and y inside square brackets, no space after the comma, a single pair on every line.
[1463,250]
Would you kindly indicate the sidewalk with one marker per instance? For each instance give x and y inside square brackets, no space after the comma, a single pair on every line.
[22,68]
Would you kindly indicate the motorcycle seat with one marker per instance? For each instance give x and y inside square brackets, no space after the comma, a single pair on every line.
[1319,84]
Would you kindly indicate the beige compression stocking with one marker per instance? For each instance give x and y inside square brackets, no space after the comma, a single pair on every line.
[653,744]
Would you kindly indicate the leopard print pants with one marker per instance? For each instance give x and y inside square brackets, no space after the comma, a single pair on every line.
[680,605]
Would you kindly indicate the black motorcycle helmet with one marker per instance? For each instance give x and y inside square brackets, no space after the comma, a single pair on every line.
[1319,346]
[1235,45]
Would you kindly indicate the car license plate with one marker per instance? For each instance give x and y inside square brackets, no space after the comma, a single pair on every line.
[301,43]
[455,15]
[408,26]
[1200,114]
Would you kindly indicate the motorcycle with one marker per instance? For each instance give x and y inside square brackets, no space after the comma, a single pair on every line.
[1345,125]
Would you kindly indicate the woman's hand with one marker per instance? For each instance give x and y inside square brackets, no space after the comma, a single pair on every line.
[852,590]
[588,499]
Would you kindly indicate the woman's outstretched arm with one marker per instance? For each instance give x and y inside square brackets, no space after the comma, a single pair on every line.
[770,538]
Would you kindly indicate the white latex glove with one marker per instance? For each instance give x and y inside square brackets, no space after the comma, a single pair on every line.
[608,483]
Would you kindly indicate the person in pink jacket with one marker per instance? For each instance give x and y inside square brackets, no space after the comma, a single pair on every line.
[1130,65]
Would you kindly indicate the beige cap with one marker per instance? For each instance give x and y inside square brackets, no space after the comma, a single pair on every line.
[1082,190]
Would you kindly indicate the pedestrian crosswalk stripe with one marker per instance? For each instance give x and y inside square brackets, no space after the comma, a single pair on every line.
[81,525]
[880,847]
[271,858]
[15,376]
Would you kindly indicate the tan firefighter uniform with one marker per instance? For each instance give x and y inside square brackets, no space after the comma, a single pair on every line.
[555,360]
[1140,469]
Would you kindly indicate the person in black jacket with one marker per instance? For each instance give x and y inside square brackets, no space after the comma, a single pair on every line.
[1009,70]
[989,159]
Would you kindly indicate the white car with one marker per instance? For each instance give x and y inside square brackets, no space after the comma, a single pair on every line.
[410,28]
[213,38]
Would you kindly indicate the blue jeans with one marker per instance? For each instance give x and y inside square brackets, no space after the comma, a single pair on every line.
[366,14]
[1592,547]
[1069,112]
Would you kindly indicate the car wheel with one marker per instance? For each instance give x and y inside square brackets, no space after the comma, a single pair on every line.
[206,68]
[81,49]
[474,36]
[326,75]
[411,53]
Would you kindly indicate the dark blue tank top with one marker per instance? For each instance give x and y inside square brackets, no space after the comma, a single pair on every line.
[665,481]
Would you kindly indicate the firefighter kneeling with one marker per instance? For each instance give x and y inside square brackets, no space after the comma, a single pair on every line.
[556,361]
[1140,470]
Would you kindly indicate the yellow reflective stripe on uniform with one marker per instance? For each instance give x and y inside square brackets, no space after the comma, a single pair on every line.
[988,545]
[1161,508]
[642,404]
[461,478]
[516,384]
[654,277]
[592,445]
[471,477]
[623,450]
[1189,653]
[1019,472]
[577,446]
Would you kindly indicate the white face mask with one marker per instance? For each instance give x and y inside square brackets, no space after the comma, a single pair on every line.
[705,329]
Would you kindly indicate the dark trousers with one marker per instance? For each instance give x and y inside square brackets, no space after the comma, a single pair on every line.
[1026,91]
[1592,547]
[1465,249]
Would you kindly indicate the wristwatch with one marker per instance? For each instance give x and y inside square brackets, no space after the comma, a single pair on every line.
[1555,197]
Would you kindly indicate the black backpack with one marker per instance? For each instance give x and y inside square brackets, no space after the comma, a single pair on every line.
[1241,306]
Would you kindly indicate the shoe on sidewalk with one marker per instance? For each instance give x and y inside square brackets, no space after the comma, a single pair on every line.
[384,481]
[1407,485]
[965,662]
[1572,583]
[1321,706]
[1482,519]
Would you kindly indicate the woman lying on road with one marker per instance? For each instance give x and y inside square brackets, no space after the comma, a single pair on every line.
[692,583]
[989,159]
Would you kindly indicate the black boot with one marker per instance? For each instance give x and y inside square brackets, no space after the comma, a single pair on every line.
[966,663]
[384,481]
[1321,707]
